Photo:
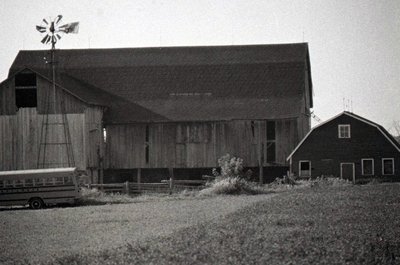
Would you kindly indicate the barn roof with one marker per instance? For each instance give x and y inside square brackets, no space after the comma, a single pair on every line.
[380,128]
[184,83]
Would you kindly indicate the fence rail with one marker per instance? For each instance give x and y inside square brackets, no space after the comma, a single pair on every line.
[166,186]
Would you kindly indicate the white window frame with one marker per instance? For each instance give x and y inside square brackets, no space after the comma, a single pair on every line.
[362,166]
[344,126]
[309,162]
[383,167]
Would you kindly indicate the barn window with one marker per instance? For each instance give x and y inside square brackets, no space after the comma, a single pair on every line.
[387,166]
[253,128]
[25,90]
[344,130]
[271,142]
[104,135]
[304,168]
[367,167]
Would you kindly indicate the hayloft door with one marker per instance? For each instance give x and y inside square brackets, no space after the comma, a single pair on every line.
[347,171]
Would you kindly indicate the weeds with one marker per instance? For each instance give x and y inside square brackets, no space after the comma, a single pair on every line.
[327,181]
[231,179]
[232,186]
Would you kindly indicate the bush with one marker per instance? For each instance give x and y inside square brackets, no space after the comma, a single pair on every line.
[232,186]
[231,167]
[231,179]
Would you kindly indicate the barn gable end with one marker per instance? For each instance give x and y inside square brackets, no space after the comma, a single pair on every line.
[329,150]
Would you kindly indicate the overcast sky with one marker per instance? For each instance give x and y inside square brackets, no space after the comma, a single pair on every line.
[354,44]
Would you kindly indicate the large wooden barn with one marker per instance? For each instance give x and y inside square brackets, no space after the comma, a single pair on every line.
[157,111]
[347,146]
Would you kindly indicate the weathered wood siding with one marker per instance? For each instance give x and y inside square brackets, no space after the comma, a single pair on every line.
[7,98]
[196,144]
[20,137]
[45,93]
[94,146]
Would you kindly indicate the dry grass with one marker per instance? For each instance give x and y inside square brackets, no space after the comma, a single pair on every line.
[96,197]
[323,225]
[37,237]
[328,223]
[232,186]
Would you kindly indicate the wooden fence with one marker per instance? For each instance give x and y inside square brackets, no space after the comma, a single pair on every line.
[166,186]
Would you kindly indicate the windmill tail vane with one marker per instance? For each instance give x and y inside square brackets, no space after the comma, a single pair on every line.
[70,28]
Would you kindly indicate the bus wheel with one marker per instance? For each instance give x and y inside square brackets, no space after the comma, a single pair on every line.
[36,203]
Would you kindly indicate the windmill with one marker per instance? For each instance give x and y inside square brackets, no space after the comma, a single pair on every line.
[52,30]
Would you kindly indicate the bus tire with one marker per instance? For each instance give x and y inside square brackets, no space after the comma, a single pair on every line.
[36,203]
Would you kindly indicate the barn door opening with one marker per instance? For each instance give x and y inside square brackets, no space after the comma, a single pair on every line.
[305,168]
[347,171]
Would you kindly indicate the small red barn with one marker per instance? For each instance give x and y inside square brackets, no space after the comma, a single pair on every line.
[348,146]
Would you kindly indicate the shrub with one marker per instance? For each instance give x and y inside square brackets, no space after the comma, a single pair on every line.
[231,179]
[231,167]
[232,186]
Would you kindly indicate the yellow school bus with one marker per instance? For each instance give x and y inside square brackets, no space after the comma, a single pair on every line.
[39,187]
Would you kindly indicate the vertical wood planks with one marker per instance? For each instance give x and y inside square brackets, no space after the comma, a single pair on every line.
[20,138]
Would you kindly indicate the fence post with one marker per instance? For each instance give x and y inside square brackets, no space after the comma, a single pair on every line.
[127,187]
[139,181]
[260,156]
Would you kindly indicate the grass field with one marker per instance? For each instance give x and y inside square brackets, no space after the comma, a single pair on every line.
[319,225]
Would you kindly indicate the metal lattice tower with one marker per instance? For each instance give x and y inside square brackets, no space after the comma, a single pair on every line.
[52,31]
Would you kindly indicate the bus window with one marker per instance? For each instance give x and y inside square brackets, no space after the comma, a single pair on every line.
[59,181]
[1,184]
[9,183]
[49,182]
[19,183]
[28,182]
[38,182]
[68,180]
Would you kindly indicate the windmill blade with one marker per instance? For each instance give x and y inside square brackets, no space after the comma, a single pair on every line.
[41,29]
[58,36]
[44,40]
[58,19]
[45,21]
[48,39]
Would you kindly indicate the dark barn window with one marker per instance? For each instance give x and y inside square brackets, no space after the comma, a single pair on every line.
[367,167]
[253,128]
[304,168]
[387,166]
[25,90]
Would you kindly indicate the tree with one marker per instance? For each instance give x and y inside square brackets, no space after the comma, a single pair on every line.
[396,127]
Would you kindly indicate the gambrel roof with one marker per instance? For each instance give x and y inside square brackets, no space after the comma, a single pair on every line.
[381,129]
[185,83]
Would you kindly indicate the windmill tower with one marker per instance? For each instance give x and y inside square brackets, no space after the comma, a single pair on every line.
[52,31]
